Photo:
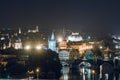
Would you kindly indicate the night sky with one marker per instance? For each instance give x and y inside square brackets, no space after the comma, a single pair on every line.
[89,16]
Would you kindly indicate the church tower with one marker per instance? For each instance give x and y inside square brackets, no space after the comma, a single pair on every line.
[52,42]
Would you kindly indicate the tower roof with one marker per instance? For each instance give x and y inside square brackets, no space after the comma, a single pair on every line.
[52,36]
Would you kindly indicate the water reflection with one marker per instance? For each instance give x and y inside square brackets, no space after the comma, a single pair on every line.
[86,73]
[84,69]
[65,72]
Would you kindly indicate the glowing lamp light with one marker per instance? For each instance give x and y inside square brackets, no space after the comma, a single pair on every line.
[2,38]
[117,47]
[37,70]
[60,39]
[38,47]
[27,47]
[101,47]
[93,71]
[16,48]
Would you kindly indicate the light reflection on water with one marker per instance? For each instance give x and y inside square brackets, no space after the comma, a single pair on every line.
[67,75]
[65,72]
[82,76]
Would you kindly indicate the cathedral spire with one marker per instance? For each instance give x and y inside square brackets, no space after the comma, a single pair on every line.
[52,36]
[19,31]
[52,42]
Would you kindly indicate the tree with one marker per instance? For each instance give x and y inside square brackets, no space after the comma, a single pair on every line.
[48,61]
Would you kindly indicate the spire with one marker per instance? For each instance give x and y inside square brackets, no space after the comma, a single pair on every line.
[37,30]
[19,31]
[52,36]
[52,42]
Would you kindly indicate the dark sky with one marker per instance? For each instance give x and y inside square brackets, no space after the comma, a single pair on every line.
[93,16]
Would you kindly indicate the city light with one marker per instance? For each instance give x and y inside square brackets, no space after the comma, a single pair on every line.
[60,39]
[38,47]
[27,47]
[37,72]
[93,76]
[101,47]
[93,71]
[117,47]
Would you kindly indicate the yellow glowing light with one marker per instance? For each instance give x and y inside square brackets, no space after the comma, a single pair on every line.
[60,39]
[38,47]
[37,70]
[101,47]
[27,47]
[93,71]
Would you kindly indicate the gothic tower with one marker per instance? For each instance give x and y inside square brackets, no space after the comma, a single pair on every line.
[52,42]
[19,31]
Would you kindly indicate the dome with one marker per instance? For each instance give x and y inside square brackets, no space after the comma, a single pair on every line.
[75,37]
[17,40]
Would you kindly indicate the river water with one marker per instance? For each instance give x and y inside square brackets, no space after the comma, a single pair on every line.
[82,74]
[86,75]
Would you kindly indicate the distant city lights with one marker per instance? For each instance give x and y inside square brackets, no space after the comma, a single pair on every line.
[60,39]
[101,47]
[38,47]
[27,47]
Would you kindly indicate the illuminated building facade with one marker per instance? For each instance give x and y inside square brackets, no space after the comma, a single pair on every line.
[52,42]
[83,47]
[116,41]
[64,55]
[62,45]
[73,47]
[18,44]
[75,37]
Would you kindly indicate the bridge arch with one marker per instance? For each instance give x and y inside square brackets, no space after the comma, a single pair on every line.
[64,64]
[85,69]
[85,64]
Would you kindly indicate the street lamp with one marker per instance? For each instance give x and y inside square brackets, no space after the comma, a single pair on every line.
[37,72]
[93,73]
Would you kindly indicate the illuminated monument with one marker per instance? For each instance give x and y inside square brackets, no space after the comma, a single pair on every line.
[75,37]
[52,42]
